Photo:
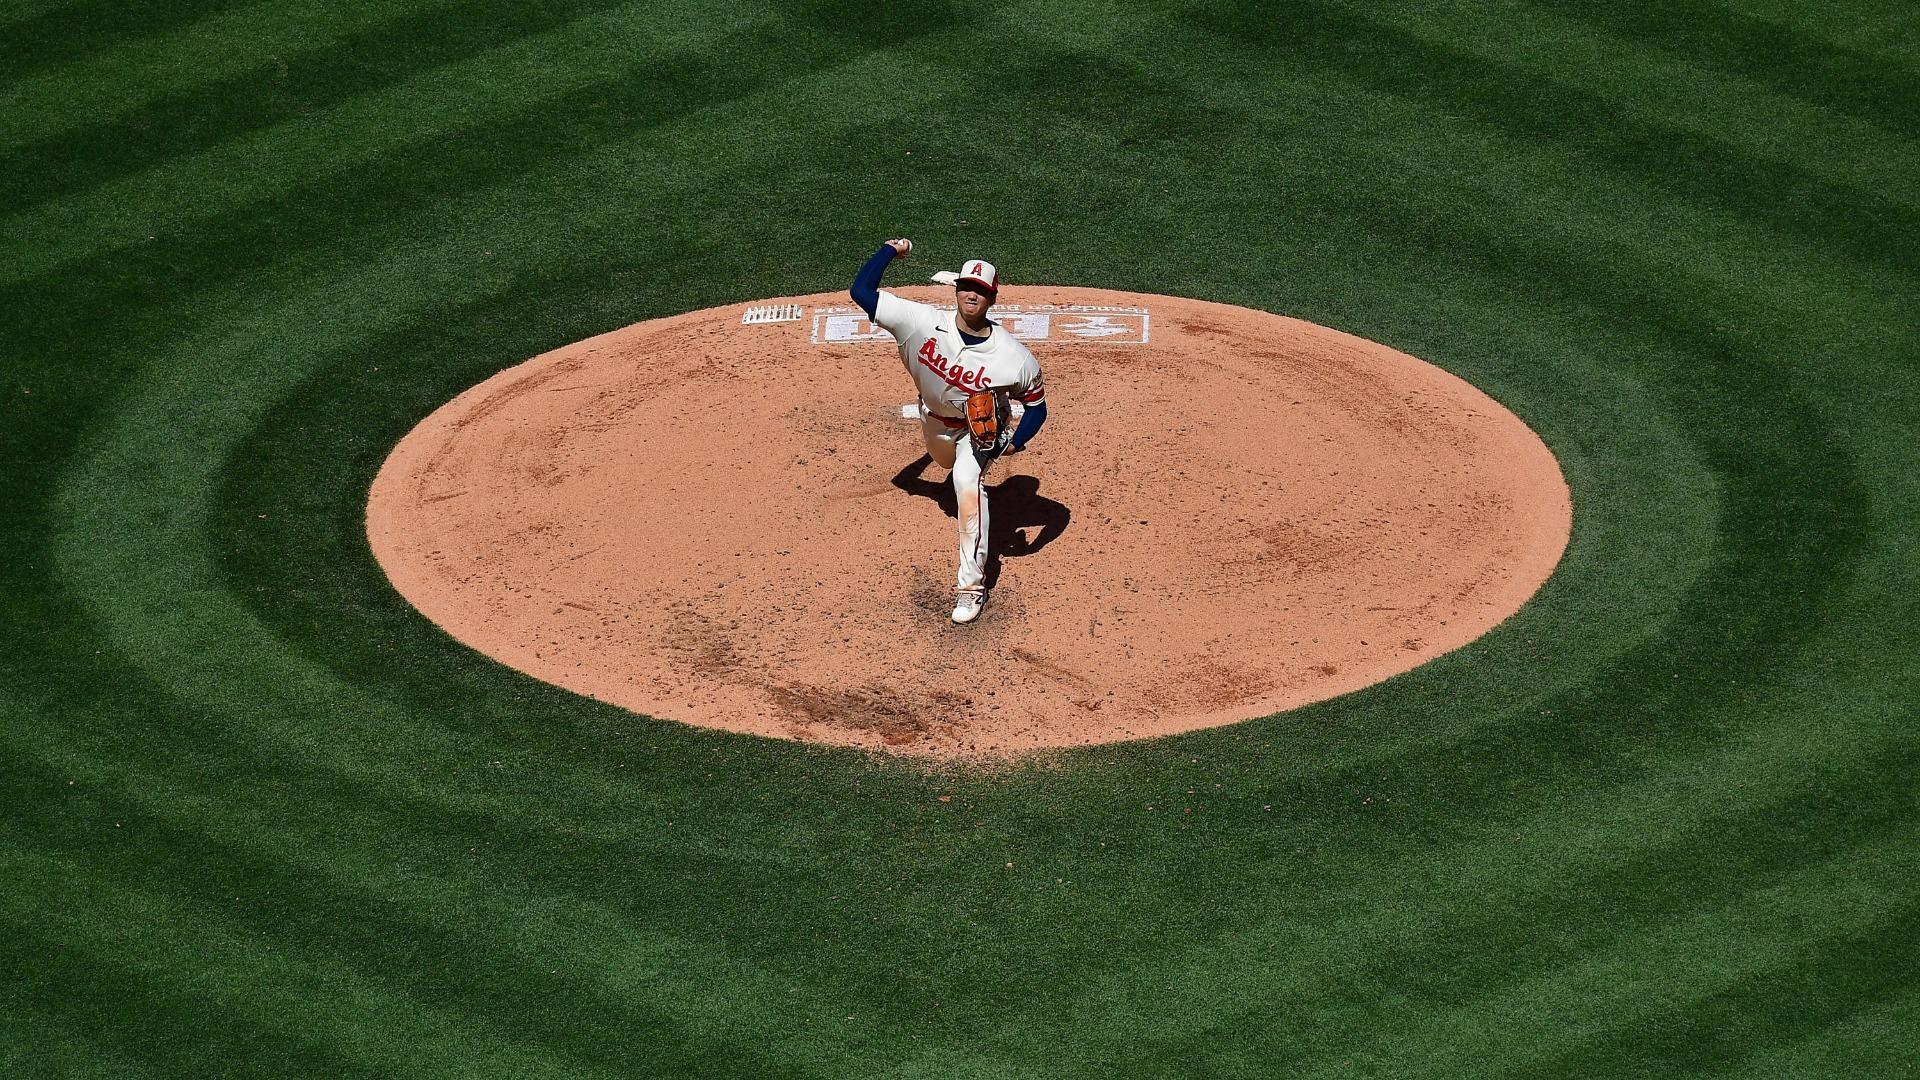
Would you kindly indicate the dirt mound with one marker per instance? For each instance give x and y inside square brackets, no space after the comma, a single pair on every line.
[1229,513]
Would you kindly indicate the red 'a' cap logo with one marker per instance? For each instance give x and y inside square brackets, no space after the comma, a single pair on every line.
[982,271]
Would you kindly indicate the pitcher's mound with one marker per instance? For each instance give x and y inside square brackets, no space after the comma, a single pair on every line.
[729,524]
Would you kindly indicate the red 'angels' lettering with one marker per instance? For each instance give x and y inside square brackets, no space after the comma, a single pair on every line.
[931,359]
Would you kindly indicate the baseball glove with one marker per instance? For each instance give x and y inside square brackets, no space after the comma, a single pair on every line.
[989,420]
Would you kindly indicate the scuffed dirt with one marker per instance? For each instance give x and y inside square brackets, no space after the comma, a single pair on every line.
[729,526]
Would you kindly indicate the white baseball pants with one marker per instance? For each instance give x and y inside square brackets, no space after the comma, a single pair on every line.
[950,449]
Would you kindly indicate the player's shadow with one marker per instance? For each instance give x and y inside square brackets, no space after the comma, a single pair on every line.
[1014,506]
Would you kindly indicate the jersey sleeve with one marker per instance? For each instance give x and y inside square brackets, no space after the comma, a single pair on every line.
[901,317]
[1032,388]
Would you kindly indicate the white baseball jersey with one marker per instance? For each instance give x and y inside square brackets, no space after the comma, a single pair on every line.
[947,369]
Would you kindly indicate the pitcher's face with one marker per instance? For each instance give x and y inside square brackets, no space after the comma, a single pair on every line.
[972,301]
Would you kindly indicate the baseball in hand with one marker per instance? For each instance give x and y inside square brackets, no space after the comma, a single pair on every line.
[901,247]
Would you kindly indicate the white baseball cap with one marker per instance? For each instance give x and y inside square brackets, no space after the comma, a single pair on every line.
[981,273]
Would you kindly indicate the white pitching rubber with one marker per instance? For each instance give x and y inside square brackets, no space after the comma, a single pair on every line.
[771,313]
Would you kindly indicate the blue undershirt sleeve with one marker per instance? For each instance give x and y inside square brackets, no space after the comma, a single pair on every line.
[1030,422]
[866,283]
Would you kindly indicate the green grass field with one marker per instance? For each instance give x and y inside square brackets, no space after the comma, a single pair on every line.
[259,818]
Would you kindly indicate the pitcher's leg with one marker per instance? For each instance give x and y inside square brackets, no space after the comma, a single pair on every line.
[970,496]
[939,441]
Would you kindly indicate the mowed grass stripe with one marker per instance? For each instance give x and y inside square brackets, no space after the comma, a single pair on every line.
[108,90]
[149,1002]
[1514,908]
[63,322]
[48,1042]
[277,89]
[1873,1040]
[1456,903]
[1172,1018]
[319,729]
[1631,1012]
[482,917]
[1879,88]
[1710,174]
[913,882]
[418,140]
[259,345]
[1809,318]
[431,932]
[236,363]
[208,993]
[1847,969]
[1554,884]
[1812,434]
[1662,1000]
[27,10]
[1406,157]
[1651,85]
[67,331]
[61,34]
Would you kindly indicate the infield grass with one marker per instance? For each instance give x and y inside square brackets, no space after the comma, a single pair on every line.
[262,819]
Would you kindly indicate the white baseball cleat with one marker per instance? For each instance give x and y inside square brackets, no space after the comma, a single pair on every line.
[967,605]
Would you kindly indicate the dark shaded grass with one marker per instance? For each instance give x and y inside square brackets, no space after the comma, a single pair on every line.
[195,118]
[362,201]
[1711,175]
[254,889]
[1801,994]
[97,995]
[75,30]
[1449,948]
[1715,37]
[184,121]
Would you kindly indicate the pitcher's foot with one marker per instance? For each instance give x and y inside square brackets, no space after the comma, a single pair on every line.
[967,605]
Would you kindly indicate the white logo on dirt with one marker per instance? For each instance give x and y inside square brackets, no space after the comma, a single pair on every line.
[1025,327]
[1039,322]
[1096,326]
[836,329]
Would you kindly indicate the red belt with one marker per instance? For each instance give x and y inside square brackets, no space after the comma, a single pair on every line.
[947,420]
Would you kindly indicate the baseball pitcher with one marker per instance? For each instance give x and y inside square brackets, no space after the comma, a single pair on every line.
[969,372]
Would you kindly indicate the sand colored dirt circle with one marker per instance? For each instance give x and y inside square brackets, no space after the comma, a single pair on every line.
[1229,513]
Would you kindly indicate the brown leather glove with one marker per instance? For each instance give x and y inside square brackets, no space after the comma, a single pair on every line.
[989,421]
